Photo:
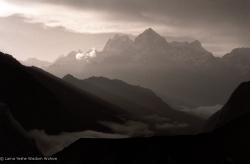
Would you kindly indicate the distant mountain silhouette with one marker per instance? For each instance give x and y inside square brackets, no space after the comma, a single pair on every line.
[239,59]
[150,42]
[118,44]
[36,62]
[226,143]
[118,90]
[182,73]
[142,103]
[39,100]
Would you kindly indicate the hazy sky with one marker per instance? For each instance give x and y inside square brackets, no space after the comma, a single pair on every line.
[42,28]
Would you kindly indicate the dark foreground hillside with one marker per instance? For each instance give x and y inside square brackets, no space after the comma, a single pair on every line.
[228,143]
[14,140]
[140,102]
[33,99]
[39,100]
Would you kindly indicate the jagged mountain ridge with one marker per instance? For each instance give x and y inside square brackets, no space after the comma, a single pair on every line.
[141,102]
[148,42]
[239,58]
[185,72]
[228,143]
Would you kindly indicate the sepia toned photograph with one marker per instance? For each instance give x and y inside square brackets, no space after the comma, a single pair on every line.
[125,81]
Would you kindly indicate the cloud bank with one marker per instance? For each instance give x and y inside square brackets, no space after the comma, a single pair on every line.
[223,22]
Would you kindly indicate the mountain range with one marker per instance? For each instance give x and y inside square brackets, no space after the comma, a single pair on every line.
[181,73]
[34,99]
[226,142]
[142,103]
[39,100]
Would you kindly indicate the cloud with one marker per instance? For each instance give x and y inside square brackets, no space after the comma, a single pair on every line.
[47,43]
[130,128]
[209,21]
[171,126]
[84,20]
[203,111]
[174,12]
[52,144]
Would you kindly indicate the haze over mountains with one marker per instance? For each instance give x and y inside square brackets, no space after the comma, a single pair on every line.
[226,142]
[42,103]
[125,81]
[36,62]
[32,99]
[143,104]
[182,73]
[99,104]
[39,100]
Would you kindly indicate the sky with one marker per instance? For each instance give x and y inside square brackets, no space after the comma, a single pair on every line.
[46,29]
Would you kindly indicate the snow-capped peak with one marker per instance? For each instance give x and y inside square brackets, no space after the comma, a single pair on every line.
[88,54]
[79,55]
[91,53]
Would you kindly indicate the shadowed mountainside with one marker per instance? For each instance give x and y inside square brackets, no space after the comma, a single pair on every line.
[14,141]
[181,73]
[227,143]
[141,102]
[232,123]
[39,100]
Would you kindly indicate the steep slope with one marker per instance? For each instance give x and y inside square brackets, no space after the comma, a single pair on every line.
[39,100]
[117,89]
[118,44]
[226,143]
[138,101]
[232,124]
[239,59]
[235,108]
[150,42]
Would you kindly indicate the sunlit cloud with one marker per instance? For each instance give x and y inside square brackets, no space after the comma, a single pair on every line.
[75,20]
[7,9]
[87,55]
[83,20]
[218,26]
